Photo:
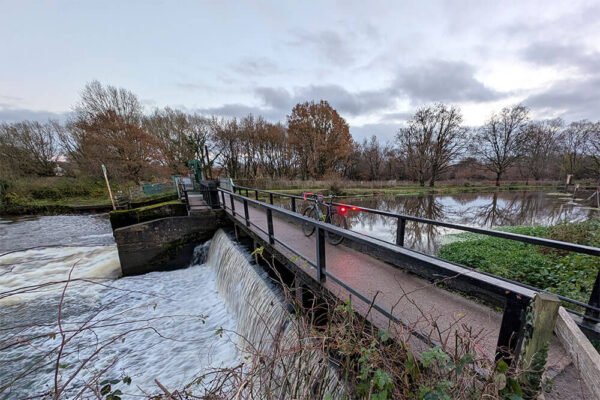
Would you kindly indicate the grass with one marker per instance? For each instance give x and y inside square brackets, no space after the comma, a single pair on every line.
[56,195]
[568,274]
[410,190]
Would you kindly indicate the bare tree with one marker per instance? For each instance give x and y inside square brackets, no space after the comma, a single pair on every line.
[433,139]
[498,142]
[573,146]
[372,154]
[540,145]
[594,149]
[31,147]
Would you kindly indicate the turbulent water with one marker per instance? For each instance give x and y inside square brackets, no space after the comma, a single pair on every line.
[161,325]
[171,326]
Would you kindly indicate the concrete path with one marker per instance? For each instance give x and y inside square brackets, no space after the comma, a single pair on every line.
[430,310]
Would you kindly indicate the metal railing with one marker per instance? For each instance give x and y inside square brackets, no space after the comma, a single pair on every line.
[592,308]
[516,298]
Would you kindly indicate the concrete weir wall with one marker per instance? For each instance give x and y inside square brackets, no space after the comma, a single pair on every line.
[165,243]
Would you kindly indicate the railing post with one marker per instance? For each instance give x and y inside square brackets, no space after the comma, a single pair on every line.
[246,213]
[270,226]
[293,204]
[321,267]
[246,192]
[256,194]
[401,228]
[512,327]
[187,201]
[594,301]
[223,200]
[232,205]
[271,198]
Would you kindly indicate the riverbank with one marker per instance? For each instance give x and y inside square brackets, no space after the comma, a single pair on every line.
[568,274]
[412,190]
[64,195]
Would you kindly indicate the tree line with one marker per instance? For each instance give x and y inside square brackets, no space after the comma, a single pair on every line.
[108,126]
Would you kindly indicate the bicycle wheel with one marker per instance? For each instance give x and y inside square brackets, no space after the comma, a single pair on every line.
[338,220]
[307,228]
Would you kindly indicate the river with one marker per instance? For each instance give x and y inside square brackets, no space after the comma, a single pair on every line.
[161,325]
[490,210]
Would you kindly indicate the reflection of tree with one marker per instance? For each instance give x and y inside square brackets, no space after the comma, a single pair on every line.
[419,235]
[516,208]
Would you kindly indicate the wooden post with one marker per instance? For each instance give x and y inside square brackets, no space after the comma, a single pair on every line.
[271,198]
[545,312]
[512,326]
[232,205]
[594,301]
[293,204]
[256,194]
[108,186]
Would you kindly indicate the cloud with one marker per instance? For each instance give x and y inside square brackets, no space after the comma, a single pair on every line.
[384,131]
[572,99]
[442,81]
[329,45]
[249,67]
[557,54]
[11,114]
[238,110]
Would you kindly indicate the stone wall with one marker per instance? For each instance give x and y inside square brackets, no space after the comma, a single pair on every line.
[166,243]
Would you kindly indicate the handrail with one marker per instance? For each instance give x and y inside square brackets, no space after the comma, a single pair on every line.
[516,298]
[592,309]
[451,268]
[556,244]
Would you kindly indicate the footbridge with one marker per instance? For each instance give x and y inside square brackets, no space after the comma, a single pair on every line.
[430,296]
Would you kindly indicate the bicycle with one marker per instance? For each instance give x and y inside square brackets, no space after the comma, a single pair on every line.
[333,216]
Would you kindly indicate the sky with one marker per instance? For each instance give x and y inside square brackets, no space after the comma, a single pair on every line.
[376,62]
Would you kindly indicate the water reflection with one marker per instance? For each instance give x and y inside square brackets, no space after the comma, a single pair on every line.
[488,210]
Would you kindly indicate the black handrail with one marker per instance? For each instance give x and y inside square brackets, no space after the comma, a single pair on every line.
[555,244]
[516,298]
[592,308]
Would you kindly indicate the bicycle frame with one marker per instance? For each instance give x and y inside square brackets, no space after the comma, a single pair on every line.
[320,199]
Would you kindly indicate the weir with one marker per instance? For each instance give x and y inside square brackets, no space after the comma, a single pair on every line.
[267,331]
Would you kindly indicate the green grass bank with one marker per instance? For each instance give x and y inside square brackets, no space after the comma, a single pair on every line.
[564,273]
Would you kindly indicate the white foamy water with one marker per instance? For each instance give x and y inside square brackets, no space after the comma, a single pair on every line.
[161,325]
[45,266]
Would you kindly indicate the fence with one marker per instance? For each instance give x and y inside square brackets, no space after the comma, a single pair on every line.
[592,308]
[516,298]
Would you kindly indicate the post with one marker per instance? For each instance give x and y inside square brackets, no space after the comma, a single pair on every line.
[108,186]
[545,312]
[246,192]
[246,212]
[271,198]
[270,226]
[510,337]
[232,205]
[187,201]
[223,200]
[594,301]
[293,204]
[321,267]
[256,194]
[400,229]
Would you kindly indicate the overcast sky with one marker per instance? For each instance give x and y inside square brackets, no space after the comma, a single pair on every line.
[375,62]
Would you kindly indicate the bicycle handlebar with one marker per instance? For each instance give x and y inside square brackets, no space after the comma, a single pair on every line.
[316,195]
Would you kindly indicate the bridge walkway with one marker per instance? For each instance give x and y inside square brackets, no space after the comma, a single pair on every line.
[417,302]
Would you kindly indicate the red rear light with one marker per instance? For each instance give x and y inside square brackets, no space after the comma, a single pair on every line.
[354,209]
[343,210]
